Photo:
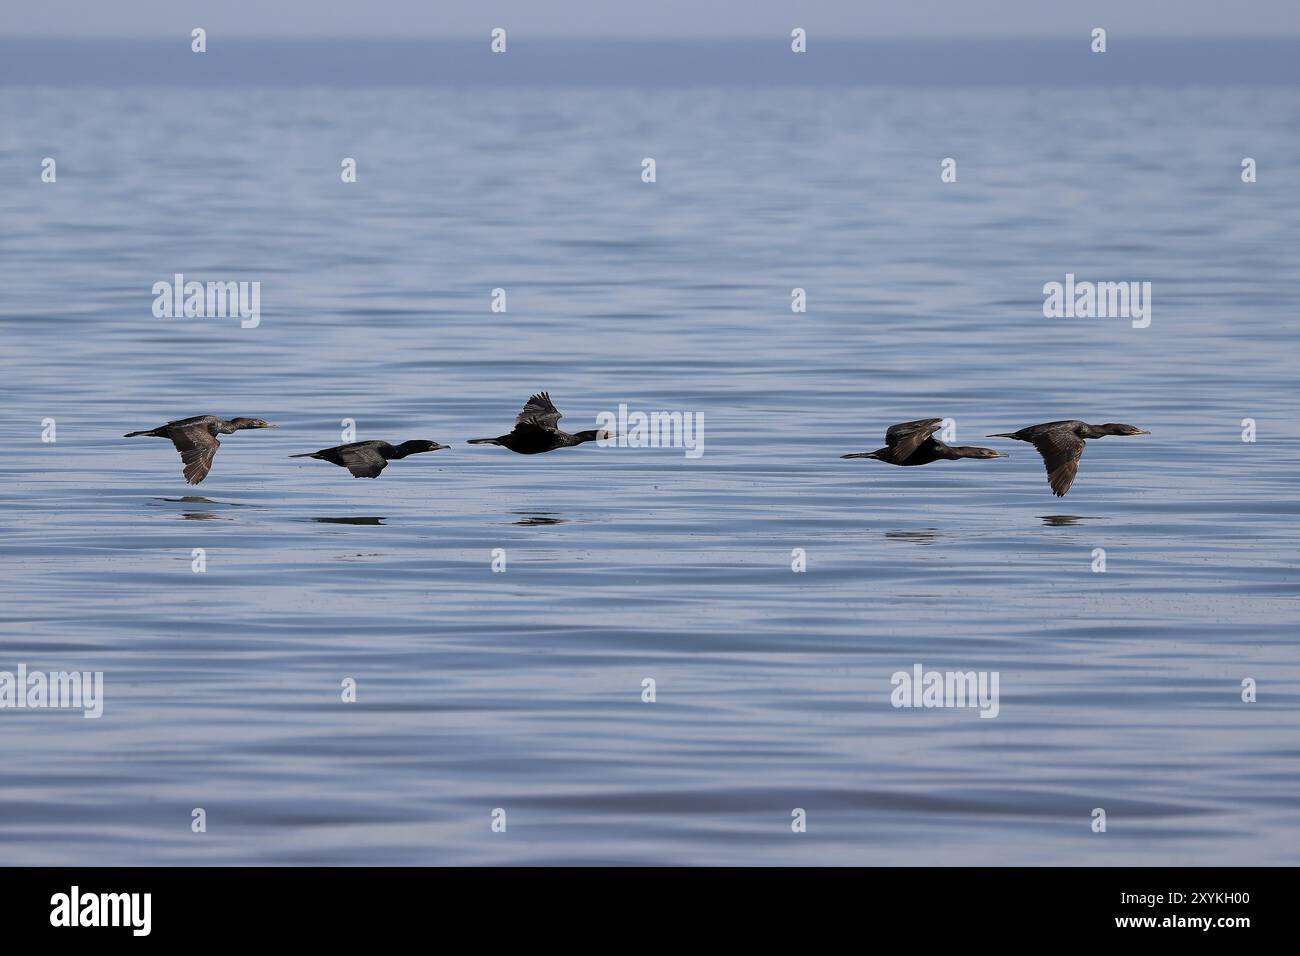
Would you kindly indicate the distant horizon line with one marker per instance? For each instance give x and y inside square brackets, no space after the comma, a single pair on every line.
[660,38]
[552,60]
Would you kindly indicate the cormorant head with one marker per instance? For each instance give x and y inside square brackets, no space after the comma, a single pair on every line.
[1111,428]
[416,445]
[250,423]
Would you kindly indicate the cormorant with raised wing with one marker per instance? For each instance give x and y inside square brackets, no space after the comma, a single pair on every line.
[535,430]
[1061,444]
[913,443]
[366,459]
[196,439]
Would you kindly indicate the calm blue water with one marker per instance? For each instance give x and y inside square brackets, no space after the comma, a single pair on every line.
[522,690]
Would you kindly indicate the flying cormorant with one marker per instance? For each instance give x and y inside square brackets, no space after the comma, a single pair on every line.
[366,459]
[196,439]
[913,443]
[535,430]
[1061,444]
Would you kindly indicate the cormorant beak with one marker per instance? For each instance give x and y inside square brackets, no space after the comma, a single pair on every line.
[1143,431]
[437,446]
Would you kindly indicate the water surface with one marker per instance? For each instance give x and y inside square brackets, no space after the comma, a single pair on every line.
[522,690]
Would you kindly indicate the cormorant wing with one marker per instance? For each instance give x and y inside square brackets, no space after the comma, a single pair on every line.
[198,447]
[539,411]
[906,437]
[1060,449]
[192,420]
[363,460]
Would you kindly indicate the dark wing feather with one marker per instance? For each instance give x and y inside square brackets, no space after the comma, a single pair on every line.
[1060,449]
[906,437]
[364,461]
[197,447]
[539,411]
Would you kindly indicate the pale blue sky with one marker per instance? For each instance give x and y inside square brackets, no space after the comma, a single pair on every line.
[650,18]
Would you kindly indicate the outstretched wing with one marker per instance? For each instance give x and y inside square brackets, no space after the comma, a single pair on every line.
[906,437]
[1060,449]
[539,411]
[362,460]
[198,447]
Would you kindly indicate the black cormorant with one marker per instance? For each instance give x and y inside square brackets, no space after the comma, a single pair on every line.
[535,430]
[196,439]
[366,459]
[1061,444]
[913,443]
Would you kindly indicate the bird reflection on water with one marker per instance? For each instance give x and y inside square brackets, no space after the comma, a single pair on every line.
[1060,521]
[205,515]
[537,518]
[928,536]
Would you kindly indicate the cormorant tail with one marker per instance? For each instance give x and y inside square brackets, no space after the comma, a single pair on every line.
[147,431]
[860,454]
[309,454]
[483,441]
[1002,435]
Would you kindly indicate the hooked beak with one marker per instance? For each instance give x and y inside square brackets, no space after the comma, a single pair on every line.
[1143,431]
[437,446]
